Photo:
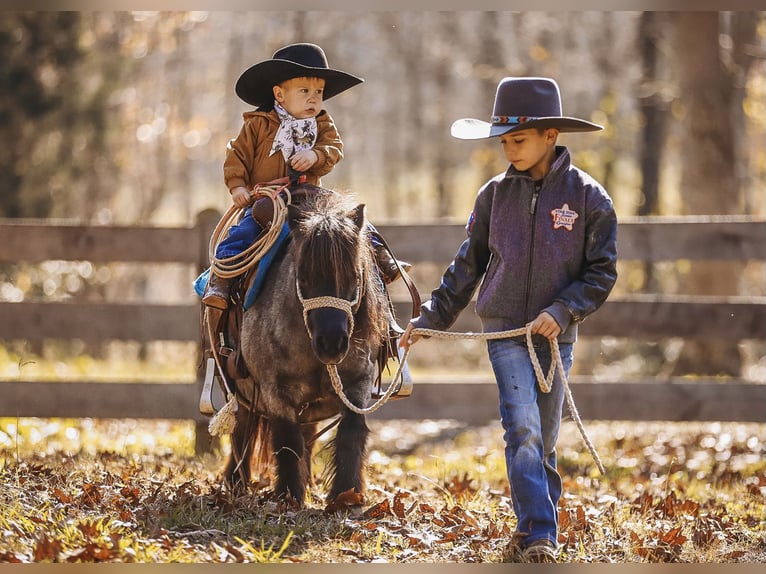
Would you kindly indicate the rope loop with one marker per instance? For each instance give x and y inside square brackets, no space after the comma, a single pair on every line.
[544,382]
[229,267]
[348,307]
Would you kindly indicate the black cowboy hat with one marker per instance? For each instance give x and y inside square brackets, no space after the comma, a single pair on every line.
[521,104]
[255,84]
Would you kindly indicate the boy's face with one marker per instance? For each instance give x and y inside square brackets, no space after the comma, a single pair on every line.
[301,97]
[530,150]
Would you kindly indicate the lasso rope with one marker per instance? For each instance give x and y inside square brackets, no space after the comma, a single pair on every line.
[228,267]
[223,421]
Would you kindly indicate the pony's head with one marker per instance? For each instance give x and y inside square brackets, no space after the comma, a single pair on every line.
[332,267]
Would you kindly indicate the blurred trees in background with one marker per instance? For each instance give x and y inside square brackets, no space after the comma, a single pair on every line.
[714,154]
[38,53]
[123,117]
[117,116]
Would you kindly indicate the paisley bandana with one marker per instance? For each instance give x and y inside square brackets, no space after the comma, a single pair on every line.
[293,135]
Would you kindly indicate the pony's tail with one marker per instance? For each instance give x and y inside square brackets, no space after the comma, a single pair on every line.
[261,443]
[250,454]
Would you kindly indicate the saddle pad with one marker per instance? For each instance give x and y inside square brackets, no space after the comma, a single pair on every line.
[260,273]
[264,264]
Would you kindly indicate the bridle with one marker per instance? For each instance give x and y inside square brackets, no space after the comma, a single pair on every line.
[348,307]
[326,301]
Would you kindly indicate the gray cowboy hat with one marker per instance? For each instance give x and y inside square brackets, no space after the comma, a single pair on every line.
[521,104]
[255,84]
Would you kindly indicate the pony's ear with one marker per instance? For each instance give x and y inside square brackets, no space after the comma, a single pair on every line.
[358,215]
[293,215]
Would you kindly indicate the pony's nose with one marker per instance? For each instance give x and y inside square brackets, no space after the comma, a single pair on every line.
[331,349]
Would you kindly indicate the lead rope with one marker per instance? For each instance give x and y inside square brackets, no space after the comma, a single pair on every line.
[545,382]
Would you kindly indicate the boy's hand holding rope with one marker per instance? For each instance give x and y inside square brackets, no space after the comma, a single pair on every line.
[541,326]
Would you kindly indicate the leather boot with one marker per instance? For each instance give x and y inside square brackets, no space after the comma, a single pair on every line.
[387,266]
[217,292]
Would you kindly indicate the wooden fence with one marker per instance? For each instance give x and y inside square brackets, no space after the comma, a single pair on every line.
[646,317]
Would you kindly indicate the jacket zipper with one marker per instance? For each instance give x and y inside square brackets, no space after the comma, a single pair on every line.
[533,205]
[532,211]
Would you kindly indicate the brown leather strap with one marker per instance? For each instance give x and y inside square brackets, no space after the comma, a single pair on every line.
[408,282]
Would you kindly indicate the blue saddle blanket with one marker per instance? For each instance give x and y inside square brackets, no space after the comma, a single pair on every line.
[260,273]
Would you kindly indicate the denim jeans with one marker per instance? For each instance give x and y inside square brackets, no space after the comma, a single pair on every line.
[531,420]
[240,236]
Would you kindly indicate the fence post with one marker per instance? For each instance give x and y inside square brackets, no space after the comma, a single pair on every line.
[205,225]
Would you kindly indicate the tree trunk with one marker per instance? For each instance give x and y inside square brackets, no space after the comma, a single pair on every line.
[654,107]
[708,180]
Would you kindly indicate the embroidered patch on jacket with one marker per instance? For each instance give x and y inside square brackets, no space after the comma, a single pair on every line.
[563,217]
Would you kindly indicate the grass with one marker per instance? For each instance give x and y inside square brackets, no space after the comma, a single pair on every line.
[132,491]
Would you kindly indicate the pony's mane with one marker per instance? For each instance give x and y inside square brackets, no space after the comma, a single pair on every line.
[330,247]
[332,239]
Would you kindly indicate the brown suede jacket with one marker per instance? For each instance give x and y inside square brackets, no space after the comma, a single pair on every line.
[247,159]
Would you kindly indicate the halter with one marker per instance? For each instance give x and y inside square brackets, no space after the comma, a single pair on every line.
[348,307]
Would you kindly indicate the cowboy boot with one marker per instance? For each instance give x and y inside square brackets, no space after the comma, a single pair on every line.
[389,271]
[217,292]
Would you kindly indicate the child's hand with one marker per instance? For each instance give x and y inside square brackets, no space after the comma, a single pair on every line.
[240,196]
[545,325]
[303,160]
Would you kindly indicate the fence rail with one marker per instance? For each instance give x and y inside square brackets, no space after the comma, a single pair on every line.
[646,317]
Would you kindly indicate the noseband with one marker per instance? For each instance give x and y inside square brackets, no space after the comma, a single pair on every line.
[324,301]
[348,307]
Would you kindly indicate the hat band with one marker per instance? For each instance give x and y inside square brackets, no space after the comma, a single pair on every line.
[512,120]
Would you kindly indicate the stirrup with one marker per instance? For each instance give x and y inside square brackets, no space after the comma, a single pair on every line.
[206,398]
[405,385]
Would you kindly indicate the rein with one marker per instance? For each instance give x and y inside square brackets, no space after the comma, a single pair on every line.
[545,382]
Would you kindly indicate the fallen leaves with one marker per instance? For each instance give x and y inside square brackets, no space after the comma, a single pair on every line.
[345,501]
[108,508]
[417,526]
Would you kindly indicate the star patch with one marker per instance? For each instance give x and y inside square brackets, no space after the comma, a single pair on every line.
[563,217]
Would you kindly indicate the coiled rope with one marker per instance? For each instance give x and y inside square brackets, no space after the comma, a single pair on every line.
[223,421]
[228,267]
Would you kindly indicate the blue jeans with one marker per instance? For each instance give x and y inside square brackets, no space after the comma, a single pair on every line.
[240,236]
[531,420]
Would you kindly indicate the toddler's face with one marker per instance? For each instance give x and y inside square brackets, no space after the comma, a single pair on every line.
[301,97]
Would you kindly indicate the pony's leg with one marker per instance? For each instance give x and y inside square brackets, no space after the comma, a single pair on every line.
[289,450]
[349,453]
[237,471]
